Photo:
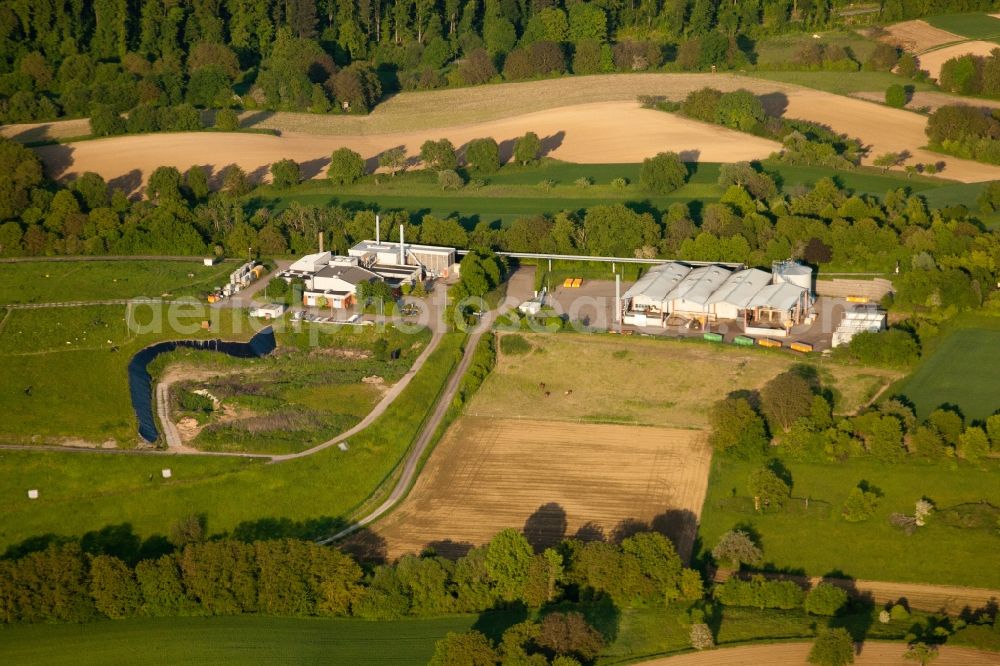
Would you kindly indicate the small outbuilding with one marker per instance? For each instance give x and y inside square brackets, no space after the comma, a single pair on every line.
[269,311]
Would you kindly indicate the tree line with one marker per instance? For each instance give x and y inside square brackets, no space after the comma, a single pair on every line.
[792,415]
[226,576]
[75,59]
[966,131]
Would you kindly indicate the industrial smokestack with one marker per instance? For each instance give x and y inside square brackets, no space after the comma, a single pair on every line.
[618,299]
[402,255]
[321,242]
[378,232]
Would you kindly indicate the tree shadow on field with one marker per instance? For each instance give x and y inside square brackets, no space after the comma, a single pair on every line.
[57,159]
[689,157]
[775,104]
[506,150]
[365,546]
[312,168]
[546,527]
[448,549]
[130,183]
[590,531]
[252,119]
[267,529]
[551,143]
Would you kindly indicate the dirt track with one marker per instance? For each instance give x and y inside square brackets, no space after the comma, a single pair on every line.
[793,654]
[550,479]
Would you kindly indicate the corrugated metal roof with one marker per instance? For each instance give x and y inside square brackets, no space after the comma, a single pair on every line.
[781,296]
[699,285]
[740,287]
[657,282]
[350,274]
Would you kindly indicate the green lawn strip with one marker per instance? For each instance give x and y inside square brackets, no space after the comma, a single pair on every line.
[974,25]
[231,640]
[818,541]
[962,371]
[62,281]
[515,192]
[638,633]
[78,495]
[841,83]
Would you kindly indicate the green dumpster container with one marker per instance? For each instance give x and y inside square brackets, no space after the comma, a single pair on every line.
[714,337]
[743,341]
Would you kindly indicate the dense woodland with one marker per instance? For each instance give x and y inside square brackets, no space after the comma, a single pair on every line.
[78,57]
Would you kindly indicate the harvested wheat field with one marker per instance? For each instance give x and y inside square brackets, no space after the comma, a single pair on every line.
[932,100]
[643,381]
[916,36]
[587,133]
[552,480]
[794,654]
[883,129]
[933,60]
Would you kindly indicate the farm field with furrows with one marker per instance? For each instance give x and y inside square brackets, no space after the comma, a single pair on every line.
[554,480]
[605,379]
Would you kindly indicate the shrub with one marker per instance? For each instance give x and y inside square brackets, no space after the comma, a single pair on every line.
[190,401]
[450,180]
[515,345]
[768,489]
[346,167]
[895,96]
[737,429]
[663,173]
[701,636]
[227,120]
[285,174]
[825,599]
[860,505]
[833,647]
[759,592]
[483,155]
[898,613]
[527,148]
[737,548]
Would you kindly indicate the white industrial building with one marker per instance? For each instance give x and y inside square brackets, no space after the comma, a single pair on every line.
[690,298]
[767,303]
[860,319]
[732,298]
[332,281]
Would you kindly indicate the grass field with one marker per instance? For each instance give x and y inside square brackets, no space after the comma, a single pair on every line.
[551,479]
[840,83]
[817,541]
[81,492]
[962,371]
[643,380]
[782,49]
[518,191]
[976,25]
[232,640]
[59,281]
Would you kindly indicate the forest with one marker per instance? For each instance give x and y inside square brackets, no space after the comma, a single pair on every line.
[72,58]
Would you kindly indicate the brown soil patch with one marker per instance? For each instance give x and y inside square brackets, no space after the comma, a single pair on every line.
[933,60]
[793,654]
[587,133]
[550,479]
[916,36]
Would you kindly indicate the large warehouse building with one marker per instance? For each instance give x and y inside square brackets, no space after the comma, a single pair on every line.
[774,301]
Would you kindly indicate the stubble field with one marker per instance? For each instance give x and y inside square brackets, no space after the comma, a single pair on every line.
[552,480]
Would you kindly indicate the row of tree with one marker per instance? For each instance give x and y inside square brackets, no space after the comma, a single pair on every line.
[966,131]
[972,75]
[792,413]
[301,578]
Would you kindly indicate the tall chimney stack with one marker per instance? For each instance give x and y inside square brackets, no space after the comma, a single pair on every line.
[378,233]
[321,242]
[402,254]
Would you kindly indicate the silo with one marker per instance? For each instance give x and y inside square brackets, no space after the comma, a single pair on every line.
[793,273]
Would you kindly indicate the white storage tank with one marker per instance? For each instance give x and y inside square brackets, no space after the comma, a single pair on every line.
[793,273]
